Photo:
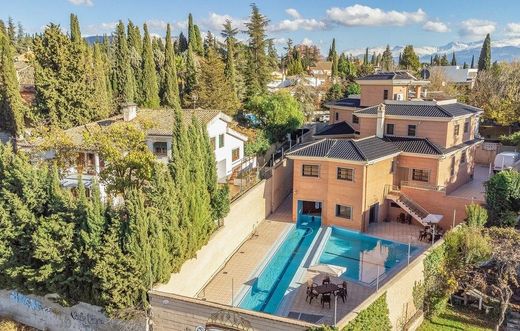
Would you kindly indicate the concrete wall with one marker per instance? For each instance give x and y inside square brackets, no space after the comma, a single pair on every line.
[44,314]
[399,293]
[176,313]
[485,153]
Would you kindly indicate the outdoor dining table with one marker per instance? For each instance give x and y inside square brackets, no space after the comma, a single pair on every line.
[326,288]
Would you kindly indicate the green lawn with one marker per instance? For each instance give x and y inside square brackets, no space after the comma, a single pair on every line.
[459,318]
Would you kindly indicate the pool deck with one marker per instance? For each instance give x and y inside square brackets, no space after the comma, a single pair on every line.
[239,268]
[475,188]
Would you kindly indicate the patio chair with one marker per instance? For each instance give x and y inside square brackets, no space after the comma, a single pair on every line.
[325,280]
[422,235]
[325,298]
[342,292]
[311,294]
[401,218]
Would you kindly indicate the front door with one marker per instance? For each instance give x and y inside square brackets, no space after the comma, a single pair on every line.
[374,211]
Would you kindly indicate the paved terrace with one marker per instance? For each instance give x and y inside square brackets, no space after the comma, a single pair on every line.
[245,261]
[474,189]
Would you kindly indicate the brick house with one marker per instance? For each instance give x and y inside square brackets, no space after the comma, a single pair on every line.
[392,157]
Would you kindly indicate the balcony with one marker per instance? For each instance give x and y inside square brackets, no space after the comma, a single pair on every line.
[423,185]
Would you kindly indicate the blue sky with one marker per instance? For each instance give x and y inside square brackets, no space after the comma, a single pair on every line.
[355,24]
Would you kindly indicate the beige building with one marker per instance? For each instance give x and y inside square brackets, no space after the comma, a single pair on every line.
[399,155]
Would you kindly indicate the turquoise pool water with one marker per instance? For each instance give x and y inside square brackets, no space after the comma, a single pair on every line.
[363,256]
[267,290]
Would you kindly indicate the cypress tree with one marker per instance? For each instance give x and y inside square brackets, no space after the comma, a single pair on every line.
[332,50]
[387,60]
[373,59]
[190,80]
[484,61]
[123,84]
[334,70]
[135,51]
[258,64]
[136,238]
[75,33]
[365,58]
[199,44]
[101,102]
[170,90]
[272,55]
[149,86]
[12,109]
[229,34]
[472,61]
[192,39]
[182,43]
[453,60]
[465,66]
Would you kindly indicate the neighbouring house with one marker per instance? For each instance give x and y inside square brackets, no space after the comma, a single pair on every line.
[321,69]
[25,75]
[402,157]
[457,75]
[228,143]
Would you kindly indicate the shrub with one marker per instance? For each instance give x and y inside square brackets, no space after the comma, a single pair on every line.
[476,215]
[375,317]
[437,285]
[503,198]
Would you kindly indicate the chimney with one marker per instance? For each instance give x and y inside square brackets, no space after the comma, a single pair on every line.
[380,129]
[129,111]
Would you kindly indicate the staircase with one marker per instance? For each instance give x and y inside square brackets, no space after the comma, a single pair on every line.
[410,206]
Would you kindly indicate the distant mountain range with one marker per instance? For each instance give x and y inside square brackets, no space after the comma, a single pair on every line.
[501,50]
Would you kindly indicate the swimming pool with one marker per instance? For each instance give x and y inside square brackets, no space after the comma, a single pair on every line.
[363,255]
[268,288]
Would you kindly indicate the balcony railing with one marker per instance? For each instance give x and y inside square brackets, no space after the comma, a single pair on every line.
[424,186]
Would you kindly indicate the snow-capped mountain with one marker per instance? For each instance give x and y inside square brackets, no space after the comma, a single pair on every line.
[501,50]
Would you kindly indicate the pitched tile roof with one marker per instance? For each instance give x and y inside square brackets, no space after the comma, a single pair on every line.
[392,75]
[157,121]
[346,102]
[366,149]
[415,145]
[340,128]
[422,109]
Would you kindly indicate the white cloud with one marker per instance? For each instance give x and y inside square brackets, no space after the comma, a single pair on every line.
[279,41]
[436,26]
[155,24]
[359,15]
[293,13]
[88,3]
[297,24]
[99,29]
[513,29]
[215,22]
[307,42]
[475,29]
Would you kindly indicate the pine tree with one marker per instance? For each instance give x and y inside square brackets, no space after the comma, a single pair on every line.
[170,89]
[149,86]
[272,55]
[75,33]
[214,91]
[444,60]
[229,34]
[11,31]
[387,60]
[258,64]
[123,84]
[484,61]
[12,108]
[453,60]
[373,59]
[409,59]
[472,61]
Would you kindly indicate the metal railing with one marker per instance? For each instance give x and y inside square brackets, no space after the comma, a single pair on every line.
[414,206]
